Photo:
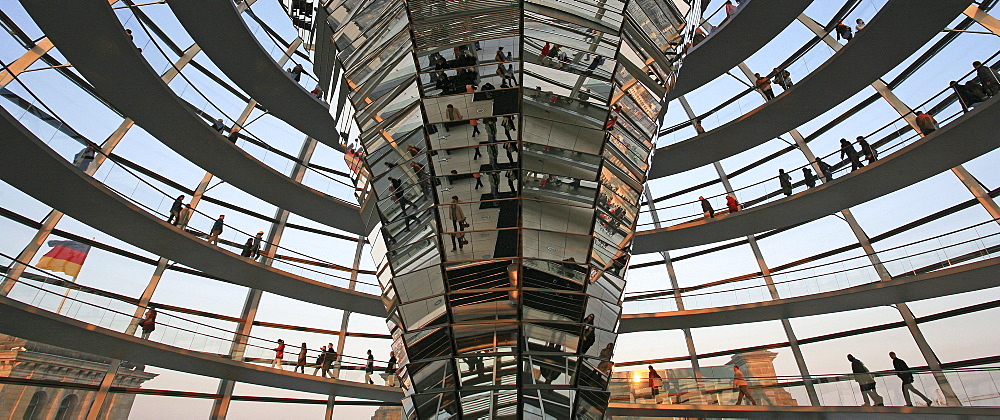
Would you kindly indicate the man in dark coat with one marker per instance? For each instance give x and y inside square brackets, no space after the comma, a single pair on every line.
[904,374]
[175,210]
[213,237]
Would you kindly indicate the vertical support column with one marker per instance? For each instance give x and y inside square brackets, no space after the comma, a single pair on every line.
[970,182]
[672,275]
[793,342]
[220,407]
[342,336]
[101,398]
[766,273]
[967,179]
[18,66]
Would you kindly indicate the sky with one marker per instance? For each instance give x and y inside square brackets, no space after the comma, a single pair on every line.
[953,339]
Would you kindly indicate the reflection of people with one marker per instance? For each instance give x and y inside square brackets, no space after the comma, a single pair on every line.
[740,384]
[399,196]
[904,374]
[452,113]
[458,224]
[479,179]
[511,177]
[606,353]
[508,126]
[589,337]
[865,380]
[494,177]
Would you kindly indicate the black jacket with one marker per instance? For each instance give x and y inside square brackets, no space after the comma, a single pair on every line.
[902,370]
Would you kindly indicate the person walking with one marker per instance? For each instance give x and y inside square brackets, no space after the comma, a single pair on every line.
[425,182]
[860,25]
[825,169]
[247,248]
[655,382]
[297,72]
[370,368]
[866,149]
[279,353]
[866,382]
[452,114]
[412,150]
[509,74]
[905,374]
[706,207]
[843,31]
[987,77]
[971,94]
[783,78]
[390,370]
[491,129]
[847,151]
[495,185]
[329,360]
[175,210]
[319,361]
[219,126]
[458,224]
[926,123]
[732,204]
[808,177]
[511,176]
[300,363]
[508,126]
[475,127]
[740,384]
[731,9]
[213,237]
[185,216]
[510,148]
[786,182]
[763,84]
[698,128]
[255,247]
[479,179]
[589,336]
[148,322]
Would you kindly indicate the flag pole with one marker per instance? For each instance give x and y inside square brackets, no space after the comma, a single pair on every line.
[65,296]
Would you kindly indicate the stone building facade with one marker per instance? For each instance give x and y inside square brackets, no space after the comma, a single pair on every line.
[25,359]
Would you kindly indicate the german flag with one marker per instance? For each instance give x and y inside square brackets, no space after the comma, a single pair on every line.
[65,256]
